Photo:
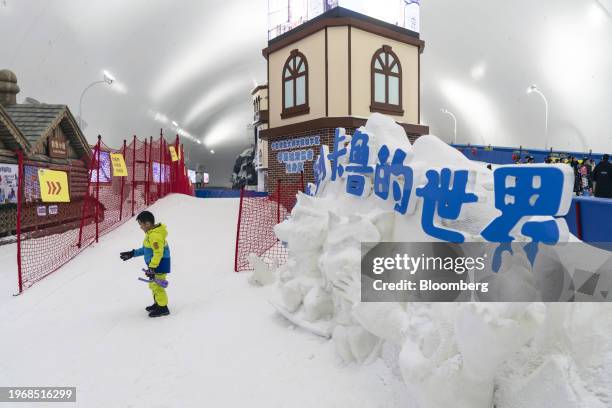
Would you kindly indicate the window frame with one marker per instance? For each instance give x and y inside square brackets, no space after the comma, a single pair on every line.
[295,110]
[386,107]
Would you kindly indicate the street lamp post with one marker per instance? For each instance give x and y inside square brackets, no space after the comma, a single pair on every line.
[454,121]
[108,79]
[534,89]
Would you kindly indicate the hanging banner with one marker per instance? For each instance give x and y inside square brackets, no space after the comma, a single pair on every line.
[8,183]
[173,154]
[119,167]
[105,169]
[161,172]
[53,186]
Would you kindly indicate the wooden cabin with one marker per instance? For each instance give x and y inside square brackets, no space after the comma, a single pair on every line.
[50,138]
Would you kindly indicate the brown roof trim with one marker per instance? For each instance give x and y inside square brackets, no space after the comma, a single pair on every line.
[259,88]
[18,137]
[305,30]
[321,123]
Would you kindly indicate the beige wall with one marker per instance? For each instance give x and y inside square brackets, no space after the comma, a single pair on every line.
[363,47]
[313,48]
[263,94]
[337,47]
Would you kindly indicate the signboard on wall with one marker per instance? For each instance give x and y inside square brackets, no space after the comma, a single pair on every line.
[9,174]
[285,15]
[57,146]
[160,173]
[53,186]
[294,153]
[31,186]
[192,176]
[53,210]
[105,169]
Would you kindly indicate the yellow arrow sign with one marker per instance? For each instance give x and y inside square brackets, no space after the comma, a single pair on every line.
[119,167]
[53,186]
[173,154]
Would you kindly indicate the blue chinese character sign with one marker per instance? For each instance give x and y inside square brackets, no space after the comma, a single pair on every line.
[528,198]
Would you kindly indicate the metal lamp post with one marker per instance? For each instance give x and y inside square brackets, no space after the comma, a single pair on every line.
[454,121]
[534,89]
[107,79]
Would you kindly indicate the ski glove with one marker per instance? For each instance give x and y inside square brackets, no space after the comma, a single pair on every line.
[126,255]
[151,273]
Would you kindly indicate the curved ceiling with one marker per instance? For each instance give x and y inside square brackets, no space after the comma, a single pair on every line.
[194,63]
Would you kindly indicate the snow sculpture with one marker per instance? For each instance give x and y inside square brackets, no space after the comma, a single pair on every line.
[449,354]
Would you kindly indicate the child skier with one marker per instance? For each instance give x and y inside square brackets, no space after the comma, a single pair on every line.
[157,257]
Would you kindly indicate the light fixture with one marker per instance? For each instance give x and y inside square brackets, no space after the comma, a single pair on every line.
[175,124]
[107,78]
[534,89]
[212,152]
[446,111]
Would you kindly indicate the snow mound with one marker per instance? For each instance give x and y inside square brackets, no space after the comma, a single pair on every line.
[460,355]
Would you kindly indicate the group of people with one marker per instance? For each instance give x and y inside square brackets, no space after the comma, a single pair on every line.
[589,178]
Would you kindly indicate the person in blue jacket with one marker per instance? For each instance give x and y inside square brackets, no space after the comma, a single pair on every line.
[156,254]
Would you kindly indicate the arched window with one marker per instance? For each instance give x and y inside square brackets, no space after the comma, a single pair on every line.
[295,85]
[386,82]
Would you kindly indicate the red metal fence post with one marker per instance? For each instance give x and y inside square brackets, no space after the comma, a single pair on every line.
[176,164]
[148,168]
[161,152]
[122,184]
[98,189]
[278,194]
[164,169]
[145,175]
[578,221]
[87,195]
[238,230]
[133,174]
[20,182]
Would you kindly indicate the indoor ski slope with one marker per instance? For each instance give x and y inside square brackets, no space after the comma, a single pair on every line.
[222,346]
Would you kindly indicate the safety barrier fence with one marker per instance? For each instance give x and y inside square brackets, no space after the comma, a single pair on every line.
[50,234]
[256,220]
[510,155]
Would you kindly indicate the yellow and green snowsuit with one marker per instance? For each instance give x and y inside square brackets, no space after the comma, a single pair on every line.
[156,252]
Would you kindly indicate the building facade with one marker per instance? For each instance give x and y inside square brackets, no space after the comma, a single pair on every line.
[335,71]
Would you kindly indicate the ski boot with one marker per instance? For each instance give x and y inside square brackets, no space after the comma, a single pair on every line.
[151,308]
[160,311]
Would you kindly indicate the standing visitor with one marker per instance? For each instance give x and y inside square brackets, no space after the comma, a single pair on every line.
[602,176]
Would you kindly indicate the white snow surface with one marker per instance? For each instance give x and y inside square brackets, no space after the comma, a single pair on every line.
[459,355]
[222,346]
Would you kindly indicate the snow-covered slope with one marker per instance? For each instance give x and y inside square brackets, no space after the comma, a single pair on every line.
[222,346]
